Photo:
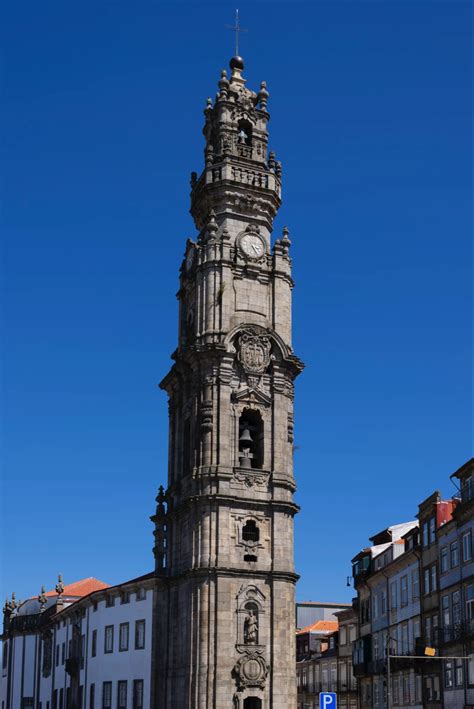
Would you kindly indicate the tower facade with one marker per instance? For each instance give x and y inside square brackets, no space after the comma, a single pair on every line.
[224,608]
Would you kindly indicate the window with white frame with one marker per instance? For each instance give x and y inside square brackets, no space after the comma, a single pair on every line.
[445,611]
[415,584]
[109,639]
[470,602]
[106,695]
[122,694]
[432,530]
[454,553]
[434,582]
[383,602]
[425,534]
[139,634]
[124,630]
[458,673]
[404,591]
[467,546]
[448,674]
[443,560]
[393,595]
[426,582]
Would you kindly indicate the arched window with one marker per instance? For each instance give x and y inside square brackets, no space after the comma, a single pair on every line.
[251,439]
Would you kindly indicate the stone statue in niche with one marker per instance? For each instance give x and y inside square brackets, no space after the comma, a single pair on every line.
[251,629]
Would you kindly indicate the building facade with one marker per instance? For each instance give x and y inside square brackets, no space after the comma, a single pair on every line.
[324,661]
[415,600]
[65,651]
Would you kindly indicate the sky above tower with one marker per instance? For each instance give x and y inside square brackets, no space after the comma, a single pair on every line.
[370,109]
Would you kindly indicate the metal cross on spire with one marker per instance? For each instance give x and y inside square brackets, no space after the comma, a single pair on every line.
[237,29]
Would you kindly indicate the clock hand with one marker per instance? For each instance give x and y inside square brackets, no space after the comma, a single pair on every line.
[256,249]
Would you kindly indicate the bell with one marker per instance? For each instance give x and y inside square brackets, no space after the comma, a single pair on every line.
[245,437]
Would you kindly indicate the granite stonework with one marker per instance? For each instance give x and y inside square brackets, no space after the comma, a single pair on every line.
[224,611]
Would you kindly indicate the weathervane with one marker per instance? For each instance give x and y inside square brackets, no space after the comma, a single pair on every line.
[237,29]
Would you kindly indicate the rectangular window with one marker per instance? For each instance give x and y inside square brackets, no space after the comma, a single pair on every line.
[454,552]
[109,639]
[122,694]
[456,608]
[57,655]
[383,603]
[94,643]
[375,611]
[109,601]
[448,674]
[55,699]
[467,546]
[352,633]
[141,594]
[92,696]
[393,595]
[445,611]
[470,670]
[434,583]
[342,635]
[415,584]
[432,530]
[458,673]
[444,562]
[404,591]
[426,582]
[123,636]
[138,694]
[125,597]
[470,603]
[425,537]
[63,653]
[376,647]
[107,695]
[83,653]
[139,634]
[94,606]
[61,699]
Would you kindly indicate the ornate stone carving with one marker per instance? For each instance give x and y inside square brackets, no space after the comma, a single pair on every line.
[254,350]
[251,670]
[251,477]
[206,416]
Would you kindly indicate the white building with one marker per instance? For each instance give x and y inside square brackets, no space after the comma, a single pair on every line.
[87,646]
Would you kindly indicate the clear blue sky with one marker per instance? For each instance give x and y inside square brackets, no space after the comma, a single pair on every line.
[371,117]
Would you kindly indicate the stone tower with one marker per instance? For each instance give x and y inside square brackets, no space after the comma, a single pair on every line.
[224,612]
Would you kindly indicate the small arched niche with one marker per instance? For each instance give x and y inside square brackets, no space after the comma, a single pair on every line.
[251,447]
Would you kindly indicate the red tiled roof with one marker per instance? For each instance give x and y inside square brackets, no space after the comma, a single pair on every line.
[82,587]
[321,626]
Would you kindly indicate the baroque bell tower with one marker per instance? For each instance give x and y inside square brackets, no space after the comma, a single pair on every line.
[224,616]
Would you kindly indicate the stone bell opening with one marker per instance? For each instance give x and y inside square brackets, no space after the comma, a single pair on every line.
[251,439]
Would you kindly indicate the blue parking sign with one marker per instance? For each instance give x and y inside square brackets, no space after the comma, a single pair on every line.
[327,700]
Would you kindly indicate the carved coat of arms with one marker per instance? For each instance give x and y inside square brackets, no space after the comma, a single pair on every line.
[254,351]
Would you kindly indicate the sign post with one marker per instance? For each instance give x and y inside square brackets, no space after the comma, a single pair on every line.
[327,700]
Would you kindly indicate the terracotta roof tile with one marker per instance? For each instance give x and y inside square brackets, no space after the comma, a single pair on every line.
[321,626]
[81,588]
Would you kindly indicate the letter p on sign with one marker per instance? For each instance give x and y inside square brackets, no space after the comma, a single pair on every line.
[327,700]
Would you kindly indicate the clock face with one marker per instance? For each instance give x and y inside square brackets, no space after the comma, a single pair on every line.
[252,245]
[190,259]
